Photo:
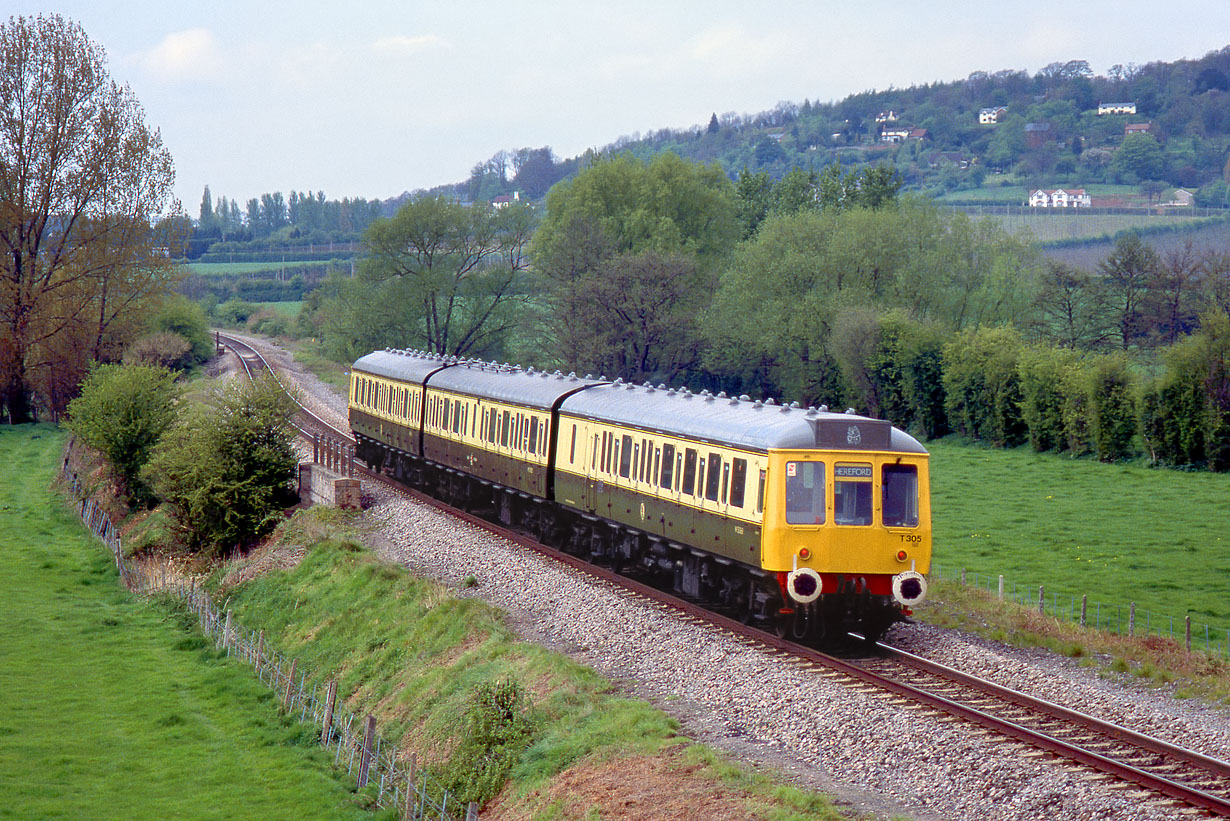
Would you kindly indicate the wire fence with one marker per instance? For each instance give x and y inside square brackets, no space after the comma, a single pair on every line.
[396,782]
[1113,618]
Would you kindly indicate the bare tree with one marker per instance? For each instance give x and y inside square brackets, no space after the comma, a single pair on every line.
[83,182]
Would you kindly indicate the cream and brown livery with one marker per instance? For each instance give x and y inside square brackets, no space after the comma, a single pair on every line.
[807,521]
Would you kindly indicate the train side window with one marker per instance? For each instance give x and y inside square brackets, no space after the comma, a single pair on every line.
[678,470]
[459,416]
[637,472]
[625,457]
[606,451]
[533,434]
[738,481]
[689,470]
[478,411]
[645,446]
[594,460]
[506,423]
[714,479]
[668,466]
[657,464]
[725,480]
[760,494]
[572,449]
[899,495]
[804,493]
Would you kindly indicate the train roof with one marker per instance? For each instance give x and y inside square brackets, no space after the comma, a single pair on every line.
[738,422]
[502,383]
[407,366]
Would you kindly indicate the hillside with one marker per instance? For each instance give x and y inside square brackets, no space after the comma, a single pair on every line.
[1047,131]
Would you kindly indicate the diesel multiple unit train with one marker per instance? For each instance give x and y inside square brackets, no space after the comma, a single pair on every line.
[809,522]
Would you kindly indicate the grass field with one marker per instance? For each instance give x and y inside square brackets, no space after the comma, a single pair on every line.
[112,707]
[290,310]
[222,268]
[1117,533]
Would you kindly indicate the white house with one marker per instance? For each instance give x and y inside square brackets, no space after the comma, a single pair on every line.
[1060,198]
[990,116]
[1116,108]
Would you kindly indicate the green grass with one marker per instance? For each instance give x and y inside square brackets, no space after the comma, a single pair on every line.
[289,310]
[1119,533]
[111,707]
[224,268]
[412,653]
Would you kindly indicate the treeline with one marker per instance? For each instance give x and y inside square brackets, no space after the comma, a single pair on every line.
[272,220]
[823,287]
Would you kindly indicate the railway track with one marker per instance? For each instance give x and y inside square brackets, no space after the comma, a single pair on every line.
[1188,778]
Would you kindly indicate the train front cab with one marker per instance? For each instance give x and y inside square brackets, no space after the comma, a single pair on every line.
[848,535]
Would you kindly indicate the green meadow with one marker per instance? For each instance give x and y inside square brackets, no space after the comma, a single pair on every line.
[112,707]
[1118,533]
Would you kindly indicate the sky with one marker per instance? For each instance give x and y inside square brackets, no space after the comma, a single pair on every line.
[370,98]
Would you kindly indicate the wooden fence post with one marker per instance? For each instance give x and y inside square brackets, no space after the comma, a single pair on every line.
[330,697]
[365,754]
[408,811]
[290,683]
[1187,632]
[1132,619]
[1041,599]
[1001,586]
[1084,608]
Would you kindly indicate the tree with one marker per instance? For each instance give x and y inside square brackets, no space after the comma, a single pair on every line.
[1073,309]
[440,276]
[123,411]
[622,207]
[83,181]
[224,470]
[1128,271]
[713,124]
[1140,156]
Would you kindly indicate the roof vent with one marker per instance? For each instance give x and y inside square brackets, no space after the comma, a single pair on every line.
[758,404]
[619,380]
[794,404]
[530,369]
[850,411]
[721,395]
[823,409]
[770,402]
[743,397]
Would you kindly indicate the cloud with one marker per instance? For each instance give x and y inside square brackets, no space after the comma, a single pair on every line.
[404,46]
[184,55]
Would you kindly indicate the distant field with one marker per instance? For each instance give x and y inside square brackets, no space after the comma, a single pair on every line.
[1118,533]
[1052,225]
[112,707]
[224,268]
[290,310]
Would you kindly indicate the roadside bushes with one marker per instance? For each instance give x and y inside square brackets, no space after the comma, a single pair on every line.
[982,385]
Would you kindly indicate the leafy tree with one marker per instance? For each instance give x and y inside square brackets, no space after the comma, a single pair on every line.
[443,276]
[982,385]
[224,470]
[83,181]
[651,215]
[1112,409]
[123,411]
[186,319]
[1141,157]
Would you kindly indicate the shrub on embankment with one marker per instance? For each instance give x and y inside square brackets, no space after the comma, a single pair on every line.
[474,704]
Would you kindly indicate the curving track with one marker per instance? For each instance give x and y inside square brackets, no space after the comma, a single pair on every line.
[1186,777]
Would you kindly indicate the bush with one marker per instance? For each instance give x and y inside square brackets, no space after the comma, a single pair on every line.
[235,312]
[124,411]
[224,472]
[983,386]
[1112,410]
[1046,374]
[164,350]
[184,318]
[495,731]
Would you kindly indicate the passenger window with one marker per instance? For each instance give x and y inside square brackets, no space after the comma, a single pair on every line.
[804,493]
[638,472]
[689,471]
[572,448]
[760,494]
[668,466]
[533,434]
[725,480]
[852,494]
[458,416]
[645,445]
[625,459]
[738,479]
[504,428]
[899,489]
[715,477]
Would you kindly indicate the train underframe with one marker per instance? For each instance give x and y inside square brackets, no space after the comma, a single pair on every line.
[735,589]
